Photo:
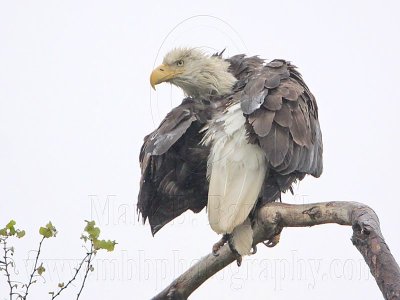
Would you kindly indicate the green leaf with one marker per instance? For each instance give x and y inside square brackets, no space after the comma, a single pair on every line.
[48,231]
[93,231]
[10,228]
[84,237]
[103,244]
[11,224]
[20,233]
[45,232]
[52,228]
[40,269]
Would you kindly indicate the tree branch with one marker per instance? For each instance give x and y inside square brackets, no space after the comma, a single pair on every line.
[62,288]
[270,220]
[34,270]
[6,264]
[88,268]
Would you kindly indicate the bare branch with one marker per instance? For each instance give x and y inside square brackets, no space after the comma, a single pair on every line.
[88,259]
[6,270]
[272,217]
[34,270]
[53,296]
[88,268]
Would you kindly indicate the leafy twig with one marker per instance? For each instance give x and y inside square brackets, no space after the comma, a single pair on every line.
[5,233]
[91,233]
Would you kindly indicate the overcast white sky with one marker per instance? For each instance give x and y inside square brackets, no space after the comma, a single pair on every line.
[75,104]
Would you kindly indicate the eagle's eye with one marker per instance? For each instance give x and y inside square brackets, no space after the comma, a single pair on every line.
[179,63]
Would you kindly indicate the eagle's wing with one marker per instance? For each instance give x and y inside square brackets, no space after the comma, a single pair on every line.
[173,165]
[282,117]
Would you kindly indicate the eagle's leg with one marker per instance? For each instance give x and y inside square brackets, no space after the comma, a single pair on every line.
[219,244]
[234,251]
[227,238]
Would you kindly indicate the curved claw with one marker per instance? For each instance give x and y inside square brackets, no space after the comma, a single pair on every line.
[253,250]
[234,251]
[219,244]
[239,261]
[272,242]
[269,244]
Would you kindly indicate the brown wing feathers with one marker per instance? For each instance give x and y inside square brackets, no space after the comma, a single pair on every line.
[174,165]
[283,116]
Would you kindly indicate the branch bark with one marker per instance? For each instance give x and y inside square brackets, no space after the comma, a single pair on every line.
[273,217]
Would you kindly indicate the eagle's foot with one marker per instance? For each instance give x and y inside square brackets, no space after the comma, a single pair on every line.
[239,261]
[218,245]
[273,241]
[234,251]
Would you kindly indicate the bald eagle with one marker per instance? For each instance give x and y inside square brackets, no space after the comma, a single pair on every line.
[246,131]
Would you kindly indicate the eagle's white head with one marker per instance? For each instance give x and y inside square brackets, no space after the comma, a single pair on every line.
[196,73]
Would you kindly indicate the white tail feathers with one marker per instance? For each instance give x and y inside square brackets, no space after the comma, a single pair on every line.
[236,171]
[234,189]
[237,174]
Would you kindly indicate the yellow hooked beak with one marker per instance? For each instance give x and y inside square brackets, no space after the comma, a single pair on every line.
[161,74]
